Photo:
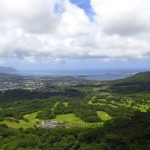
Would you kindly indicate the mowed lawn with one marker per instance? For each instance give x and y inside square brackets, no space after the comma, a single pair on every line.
[66,104]
[31,117]
[103,115]
[22,123]
[70,118]
[73,119]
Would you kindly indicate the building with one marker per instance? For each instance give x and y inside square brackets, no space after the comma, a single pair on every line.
[51,124]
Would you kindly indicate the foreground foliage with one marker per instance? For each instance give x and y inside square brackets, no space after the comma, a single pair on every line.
[121,108]
[122,134]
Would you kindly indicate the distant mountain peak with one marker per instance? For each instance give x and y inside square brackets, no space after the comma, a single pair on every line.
[8,70]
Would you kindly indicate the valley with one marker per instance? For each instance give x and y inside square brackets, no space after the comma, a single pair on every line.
[98,111]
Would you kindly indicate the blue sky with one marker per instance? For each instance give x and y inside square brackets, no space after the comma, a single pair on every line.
[84,4]
[75,34]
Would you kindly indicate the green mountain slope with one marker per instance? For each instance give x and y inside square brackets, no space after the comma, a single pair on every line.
[139,82]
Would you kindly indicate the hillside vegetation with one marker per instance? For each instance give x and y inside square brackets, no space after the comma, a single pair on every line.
[111,116]
[139,82]
[122,134]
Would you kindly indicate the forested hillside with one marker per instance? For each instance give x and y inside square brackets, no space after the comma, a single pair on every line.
[137,83]
[111,116]
[122,134]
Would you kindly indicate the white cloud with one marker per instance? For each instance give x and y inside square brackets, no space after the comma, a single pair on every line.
[122,16]
[33,29]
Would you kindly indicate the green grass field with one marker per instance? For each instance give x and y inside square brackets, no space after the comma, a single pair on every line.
[70,118]
[22,123]
[65,104]
[103,115]
[100,103]
[142,108]
[73,119]
[31,116]
[67,118]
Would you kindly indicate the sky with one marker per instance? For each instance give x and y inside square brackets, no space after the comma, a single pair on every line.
[75,34]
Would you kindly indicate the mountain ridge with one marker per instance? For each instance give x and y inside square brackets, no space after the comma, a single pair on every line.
[7,70]
[139,82]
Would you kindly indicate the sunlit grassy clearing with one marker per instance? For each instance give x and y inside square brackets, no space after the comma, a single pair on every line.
[56,104]
[65,104]
[100,103]
[31,116]
[73,119]
[103,115]
[130,103]
[22,123]
[70,118]
[142,108]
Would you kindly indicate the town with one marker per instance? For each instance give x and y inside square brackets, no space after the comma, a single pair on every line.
[41,83]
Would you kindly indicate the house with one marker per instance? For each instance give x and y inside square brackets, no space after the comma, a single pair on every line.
[51,124]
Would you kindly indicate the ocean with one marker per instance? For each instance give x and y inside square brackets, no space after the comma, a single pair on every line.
[85,74]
